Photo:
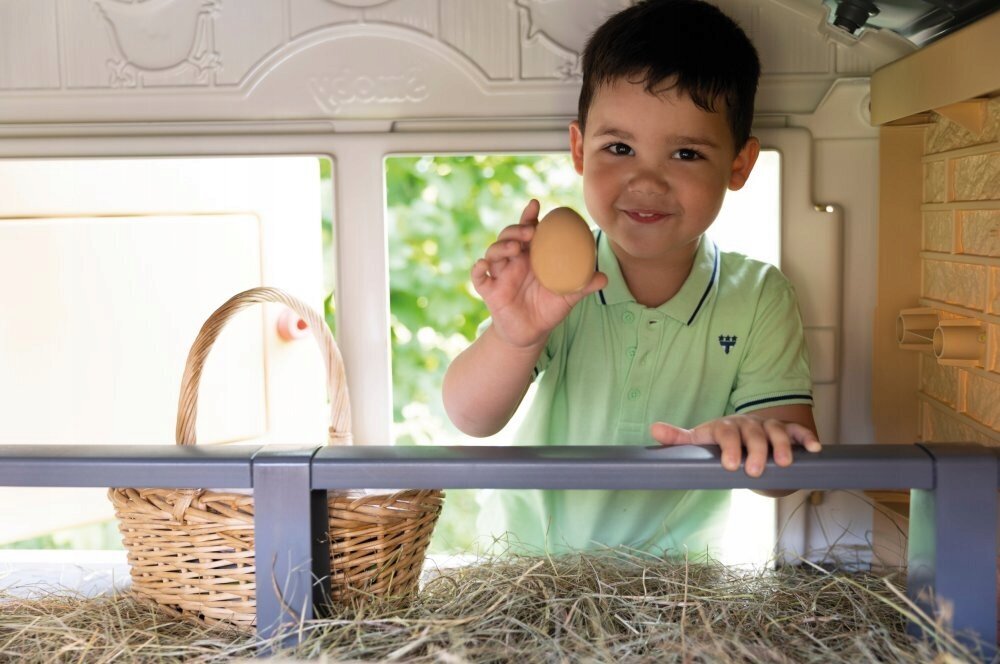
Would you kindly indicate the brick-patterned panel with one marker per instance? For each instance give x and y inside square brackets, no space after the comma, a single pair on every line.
[956,283]
[939,427]
[946,135]
[983,401]
[994,296]
[938,381]
[935,184]
[961,404]
[980,231]
[993,348]
[939,232]
[976,177]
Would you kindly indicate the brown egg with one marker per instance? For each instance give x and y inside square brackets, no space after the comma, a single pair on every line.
[563,253]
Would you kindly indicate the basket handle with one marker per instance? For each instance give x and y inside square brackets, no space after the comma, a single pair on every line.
[336,380]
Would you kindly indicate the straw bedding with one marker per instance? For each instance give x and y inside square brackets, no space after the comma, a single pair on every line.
[593,607]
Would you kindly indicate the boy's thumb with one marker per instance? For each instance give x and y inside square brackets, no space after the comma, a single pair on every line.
[597,282]
[668,434]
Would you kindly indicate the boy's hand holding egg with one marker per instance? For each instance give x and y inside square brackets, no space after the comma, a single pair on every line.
[535,273]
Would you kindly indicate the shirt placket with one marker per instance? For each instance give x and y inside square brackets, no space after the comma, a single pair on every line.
[648,327]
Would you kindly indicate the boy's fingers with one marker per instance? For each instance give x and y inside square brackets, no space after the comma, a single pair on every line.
[479,271]
[757,437]
[725,435]
[518,233]
[755,440]
[501,250]
[530,213]
[597,282]
[781,443]
[480,275]
[668,434]
[804,437]
[730,441]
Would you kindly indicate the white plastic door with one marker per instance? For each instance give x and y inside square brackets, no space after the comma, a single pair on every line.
[109,267]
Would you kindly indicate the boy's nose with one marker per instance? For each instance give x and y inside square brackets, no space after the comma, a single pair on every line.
[648,181]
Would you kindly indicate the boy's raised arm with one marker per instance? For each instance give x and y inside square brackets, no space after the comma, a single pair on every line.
[485,384]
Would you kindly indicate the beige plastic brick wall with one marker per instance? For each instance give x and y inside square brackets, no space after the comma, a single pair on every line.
[960,274]
[938,112]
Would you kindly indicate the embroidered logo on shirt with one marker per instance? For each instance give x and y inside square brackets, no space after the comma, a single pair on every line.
[727,342]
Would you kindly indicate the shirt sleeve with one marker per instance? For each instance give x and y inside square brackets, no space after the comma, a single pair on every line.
[775,368]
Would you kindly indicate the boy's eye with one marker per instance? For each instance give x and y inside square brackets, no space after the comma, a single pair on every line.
[620,149]
[687,154]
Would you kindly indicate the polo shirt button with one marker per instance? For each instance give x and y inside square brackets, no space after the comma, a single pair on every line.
[631,351]
[628,316]
[633,394]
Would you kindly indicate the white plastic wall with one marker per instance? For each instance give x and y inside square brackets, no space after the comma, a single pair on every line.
[359,79]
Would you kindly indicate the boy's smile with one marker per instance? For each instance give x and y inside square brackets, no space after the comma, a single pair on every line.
[655,170]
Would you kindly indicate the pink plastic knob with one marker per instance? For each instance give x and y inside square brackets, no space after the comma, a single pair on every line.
[291,326]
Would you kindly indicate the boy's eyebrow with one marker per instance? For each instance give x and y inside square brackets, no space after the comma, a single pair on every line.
[613,131]
[675,140]
[696,140]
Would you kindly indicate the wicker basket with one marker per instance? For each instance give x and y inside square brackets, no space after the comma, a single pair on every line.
[192,551]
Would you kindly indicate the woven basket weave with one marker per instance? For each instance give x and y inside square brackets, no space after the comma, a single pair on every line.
[192,551]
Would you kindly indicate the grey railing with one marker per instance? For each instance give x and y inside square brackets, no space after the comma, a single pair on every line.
[953,509]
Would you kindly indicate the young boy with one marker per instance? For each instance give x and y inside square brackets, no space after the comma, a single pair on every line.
[672,340]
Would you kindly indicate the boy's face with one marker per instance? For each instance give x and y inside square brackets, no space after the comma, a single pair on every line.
[655,170]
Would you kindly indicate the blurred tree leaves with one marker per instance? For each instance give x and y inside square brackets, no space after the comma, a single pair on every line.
[442,213]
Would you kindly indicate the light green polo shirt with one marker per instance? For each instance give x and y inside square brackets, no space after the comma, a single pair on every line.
[730,341]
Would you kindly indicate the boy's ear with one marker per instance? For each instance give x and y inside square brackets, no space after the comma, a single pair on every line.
[743,163]
[576,145]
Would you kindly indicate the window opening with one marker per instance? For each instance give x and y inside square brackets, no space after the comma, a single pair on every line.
[750,219]
[442,211]
[123,238]
[329,243]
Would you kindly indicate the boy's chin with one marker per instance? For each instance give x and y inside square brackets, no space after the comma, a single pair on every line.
[654,248]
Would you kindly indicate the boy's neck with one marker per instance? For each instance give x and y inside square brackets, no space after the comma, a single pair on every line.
[653,283]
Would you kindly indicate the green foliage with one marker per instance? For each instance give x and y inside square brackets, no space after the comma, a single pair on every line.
[442,214]
[329,248]
[102,535]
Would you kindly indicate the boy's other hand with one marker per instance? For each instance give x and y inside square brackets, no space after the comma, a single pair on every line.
[756,433]
[523,312]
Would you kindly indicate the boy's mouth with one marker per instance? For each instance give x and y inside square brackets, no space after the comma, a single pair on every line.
[645,216]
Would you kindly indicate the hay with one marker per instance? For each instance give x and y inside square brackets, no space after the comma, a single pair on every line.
[72,628]
[594,607]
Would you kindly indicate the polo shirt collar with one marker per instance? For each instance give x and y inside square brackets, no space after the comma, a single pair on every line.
[685,305]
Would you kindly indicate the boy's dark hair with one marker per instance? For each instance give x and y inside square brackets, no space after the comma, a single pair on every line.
[655,40]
